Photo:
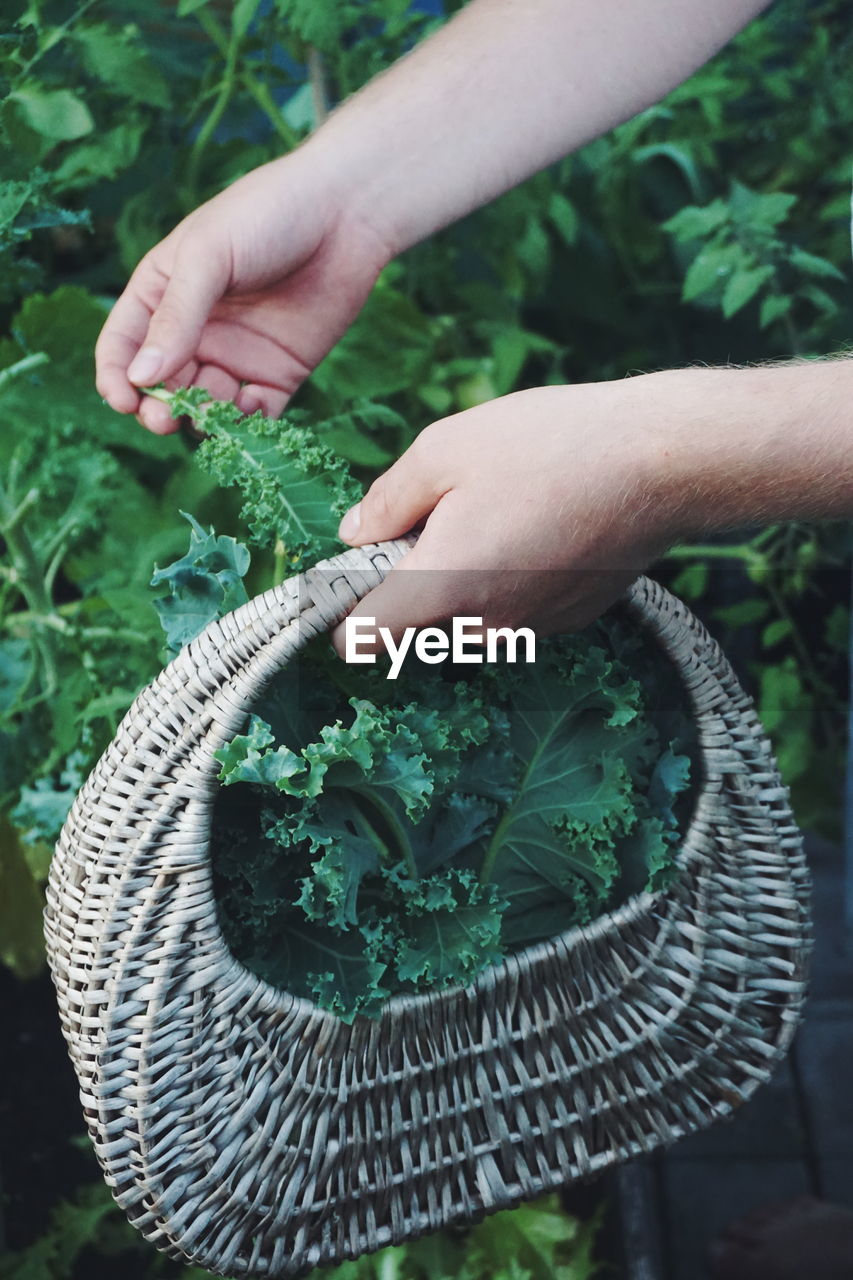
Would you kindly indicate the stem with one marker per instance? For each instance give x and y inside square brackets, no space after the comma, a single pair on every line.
[22,366]
[213,28]
[396,827]
[265,101]
[14,517]
[809,669]
[319,90]
[370,833]
[389,1266]
[711,552]
[256,89]
[30,577]
[279,564]
[56,36]
[508,813]
[30,618]
[227,85]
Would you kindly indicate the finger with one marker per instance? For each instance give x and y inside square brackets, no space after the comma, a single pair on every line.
[424,588]
[219,383]
[154,414]
[405,494]
[117,344]
[254,396]
[155,417]
[198,279]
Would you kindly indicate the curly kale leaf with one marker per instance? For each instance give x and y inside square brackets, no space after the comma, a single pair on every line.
[406,847]
[586,752]
[450,929]
[294,488]
[204,584]
[411,934]
[390,754]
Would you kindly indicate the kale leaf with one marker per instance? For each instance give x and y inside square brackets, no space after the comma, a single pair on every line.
[407,846]
[294,488]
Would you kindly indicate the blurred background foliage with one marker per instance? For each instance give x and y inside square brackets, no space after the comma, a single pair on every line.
[713,228]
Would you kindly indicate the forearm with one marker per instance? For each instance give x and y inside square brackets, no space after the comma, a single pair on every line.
[504,89]
[740,447]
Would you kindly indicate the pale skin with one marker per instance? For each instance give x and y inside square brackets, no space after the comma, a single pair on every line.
[591,482]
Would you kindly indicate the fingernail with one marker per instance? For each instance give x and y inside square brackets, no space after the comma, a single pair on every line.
[349,526]
[145,366]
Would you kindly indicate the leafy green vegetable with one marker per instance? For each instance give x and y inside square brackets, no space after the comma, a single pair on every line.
[402,847]
[294,488]
[204,584]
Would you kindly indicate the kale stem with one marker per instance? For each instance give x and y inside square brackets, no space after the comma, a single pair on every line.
[369,832]
[279,563]
[396,827]
[490,856]
[491,853]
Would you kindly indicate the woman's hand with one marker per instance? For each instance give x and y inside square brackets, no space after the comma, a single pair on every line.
[245,296]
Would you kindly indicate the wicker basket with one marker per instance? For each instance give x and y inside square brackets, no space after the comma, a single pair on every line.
[248,1131]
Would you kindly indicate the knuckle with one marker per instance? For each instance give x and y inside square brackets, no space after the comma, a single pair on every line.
[377,500]
[430,453]
[424,444]
[167,317]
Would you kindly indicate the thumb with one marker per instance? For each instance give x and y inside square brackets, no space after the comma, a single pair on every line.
[196,283]
[406,493]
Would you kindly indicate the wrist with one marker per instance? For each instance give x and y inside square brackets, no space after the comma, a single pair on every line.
[338,162]
[321,177]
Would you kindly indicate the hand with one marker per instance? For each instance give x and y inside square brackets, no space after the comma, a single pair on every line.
[244,297]
[540,508]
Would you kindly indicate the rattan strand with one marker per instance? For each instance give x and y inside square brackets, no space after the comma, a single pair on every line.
[250,1132]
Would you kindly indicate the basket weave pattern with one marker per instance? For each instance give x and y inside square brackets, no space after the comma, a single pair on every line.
[246,1130]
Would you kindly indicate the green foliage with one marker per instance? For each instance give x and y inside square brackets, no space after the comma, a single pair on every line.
[740,255]
[294,488]
[204,584]
[115,121]
[534,1242]
[81,522]
[537,1241]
